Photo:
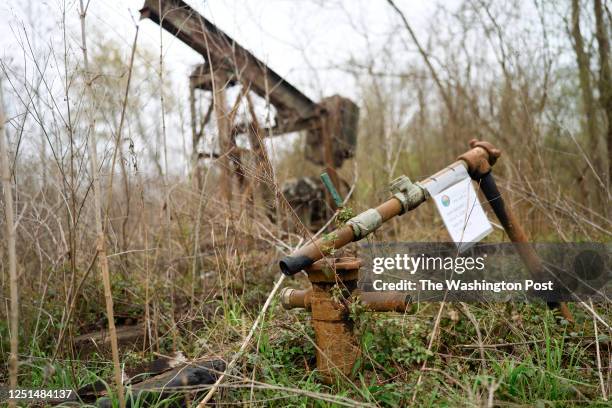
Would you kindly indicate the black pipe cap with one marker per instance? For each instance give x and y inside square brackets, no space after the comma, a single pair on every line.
[290,265]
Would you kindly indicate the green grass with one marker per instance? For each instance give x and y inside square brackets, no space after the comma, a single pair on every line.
[535,359]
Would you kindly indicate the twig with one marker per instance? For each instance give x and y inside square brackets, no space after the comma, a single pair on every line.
[121,122]
[245,343]
[470,316]
[429,346]
[101,243]
[598,355]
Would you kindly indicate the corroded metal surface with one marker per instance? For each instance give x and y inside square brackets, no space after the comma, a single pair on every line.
[334,287]
[185,23]
[335,139]
[306,197]
[372,301]
[479,158]
[330,125]
[385,301]
[340,265]
[517,235]
[337,347]
[296,298]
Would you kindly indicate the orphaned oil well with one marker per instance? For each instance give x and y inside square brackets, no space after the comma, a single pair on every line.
[334,286]
[330,124]
[335,279]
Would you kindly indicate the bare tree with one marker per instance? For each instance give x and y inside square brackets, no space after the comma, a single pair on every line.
[12,256]
[584,75]
[443,92]
[605,76]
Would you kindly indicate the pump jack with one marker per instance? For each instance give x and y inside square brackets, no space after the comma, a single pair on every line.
[330,125]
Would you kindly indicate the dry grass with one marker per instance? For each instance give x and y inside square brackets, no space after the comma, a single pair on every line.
[194,272]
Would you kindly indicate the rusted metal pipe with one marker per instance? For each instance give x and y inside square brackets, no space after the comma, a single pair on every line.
[316,250]
[296,298]
[372,301]
[407,196]
[337,347]
[517,235]
[480,171]
[385,301]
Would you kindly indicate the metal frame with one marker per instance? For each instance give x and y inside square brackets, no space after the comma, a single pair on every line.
[329,123]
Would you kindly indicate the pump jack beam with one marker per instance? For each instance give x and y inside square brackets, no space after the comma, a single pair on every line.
[223,53]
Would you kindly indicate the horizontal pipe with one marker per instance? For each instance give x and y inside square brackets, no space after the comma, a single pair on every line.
[309,254]
[372,301]
[295,298]
[385,301]
[474,160]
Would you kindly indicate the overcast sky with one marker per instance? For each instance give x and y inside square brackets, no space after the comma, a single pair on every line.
[305,41]
[300,39]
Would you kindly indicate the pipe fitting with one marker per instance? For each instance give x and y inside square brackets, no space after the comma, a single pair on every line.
[409,194]
[385,301]
[296,298]
[480,158]
[365,223]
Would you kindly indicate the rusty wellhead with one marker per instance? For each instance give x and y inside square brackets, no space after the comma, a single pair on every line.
[337,348]
[334,286]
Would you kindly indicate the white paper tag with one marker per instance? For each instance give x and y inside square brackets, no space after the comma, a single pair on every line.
[462,213]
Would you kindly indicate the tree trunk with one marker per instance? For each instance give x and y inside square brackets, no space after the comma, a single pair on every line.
[12,256]
[605,77]
[584,75]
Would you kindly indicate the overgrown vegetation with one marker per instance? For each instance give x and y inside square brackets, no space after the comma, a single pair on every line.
[191,271]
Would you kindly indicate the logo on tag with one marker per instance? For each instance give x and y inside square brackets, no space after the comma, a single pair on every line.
[458,205]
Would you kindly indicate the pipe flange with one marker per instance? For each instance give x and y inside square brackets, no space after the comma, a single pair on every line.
[285,298]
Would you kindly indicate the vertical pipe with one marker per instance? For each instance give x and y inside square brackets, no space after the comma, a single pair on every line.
[337,348]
